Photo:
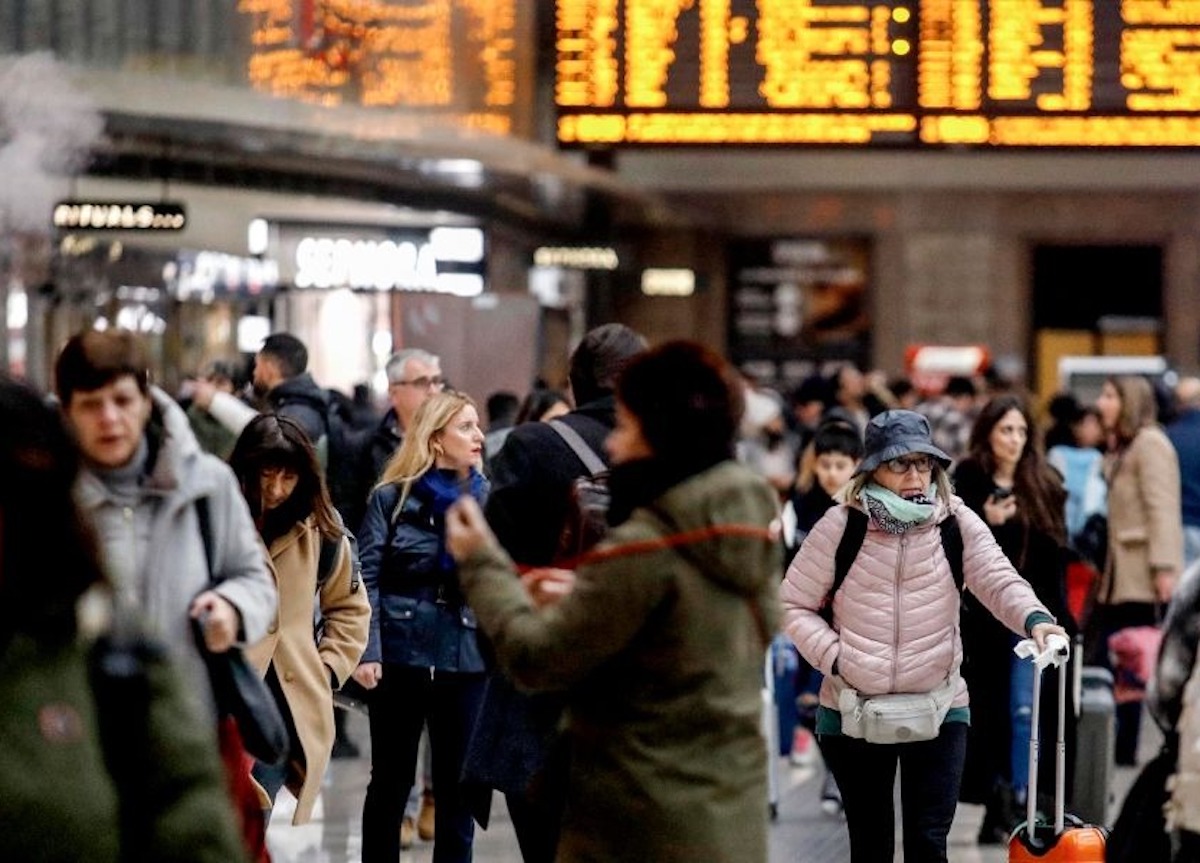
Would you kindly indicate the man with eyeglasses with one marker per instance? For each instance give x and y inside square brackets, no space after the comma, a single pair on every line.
[413,376]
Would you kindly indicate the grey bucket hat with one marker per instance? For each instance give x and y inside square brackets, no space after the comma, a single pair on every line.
[892,434]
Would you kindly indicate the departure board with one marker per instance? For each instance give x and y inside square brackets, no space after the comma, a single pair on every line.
[460,60]
[987,73]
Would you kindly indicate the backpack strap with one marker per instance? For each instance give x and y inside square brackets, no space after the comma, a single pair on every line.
[327,558]
[204,516]
[847,550]
[856,532]
[594,464]
[952,546]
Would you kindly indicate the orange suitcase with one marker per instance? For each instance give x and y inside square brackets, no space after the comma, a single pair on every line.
[1067,840]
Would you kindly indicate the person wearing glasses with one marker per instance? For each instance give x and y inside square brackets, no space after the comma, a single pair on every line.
[892,628]
[1006,481]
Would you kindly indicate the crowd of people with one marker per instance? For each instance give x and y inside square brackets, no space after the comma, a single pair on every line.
[883,541]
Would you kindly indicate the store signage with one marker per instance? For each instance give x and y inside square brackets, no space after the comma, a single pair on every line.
[204,275]
[323,262]
[668,282]
[119,216]
[576,257]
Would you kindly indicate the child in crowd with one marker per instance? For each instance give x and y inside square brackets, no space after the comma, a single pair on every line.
[825,467]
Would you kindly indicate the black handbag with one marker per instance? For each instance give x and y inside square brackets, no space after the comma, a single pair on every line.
[238,690]
[240,693]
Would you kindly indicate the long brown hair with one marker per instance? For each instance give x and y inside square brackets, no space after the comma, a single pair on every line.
[272,440]
[1138,407]
[1037,486]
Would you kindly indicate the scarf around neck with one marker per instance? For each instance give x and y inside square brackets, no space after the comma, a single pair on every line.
[896,514]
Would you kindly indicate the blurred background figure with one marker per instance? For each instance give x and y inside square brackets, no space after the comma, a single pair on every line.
[1005,480]
[1145,539]
[212,435]
[277,469]
[101,756]
[503,408]
[1184,433]
[542,405]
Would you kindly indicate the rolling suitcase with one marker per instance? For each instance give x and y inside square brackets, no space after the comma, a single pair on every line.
[1095,744]
[1066,840]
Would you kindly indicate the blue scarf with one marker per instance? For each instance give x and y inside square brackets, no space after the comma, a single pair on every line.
[438,489]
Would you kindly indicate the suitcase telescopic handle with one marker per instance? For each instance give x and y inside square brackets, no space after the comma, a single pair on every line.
[1057,652]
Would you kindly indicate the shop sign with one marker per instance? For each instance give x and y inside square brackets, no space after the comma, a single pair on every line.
[931,366]
[668,282]
[119,216]
[204,275]
[323,262]
[577,257]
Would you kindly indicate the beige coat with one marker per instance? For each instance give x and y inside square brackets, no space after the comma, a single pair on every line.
[303,666]
[1145,527]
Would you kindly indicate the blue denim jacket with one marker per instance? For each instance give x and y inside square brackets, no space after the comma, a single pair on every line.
[418,616]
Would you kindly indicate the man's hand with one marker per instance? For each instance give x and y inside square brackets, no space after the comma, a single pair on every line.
[368,674]
[221,620]
[466,529]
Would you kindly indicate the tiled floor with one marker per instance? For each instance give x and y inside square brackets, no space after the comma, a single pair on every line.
[802,832]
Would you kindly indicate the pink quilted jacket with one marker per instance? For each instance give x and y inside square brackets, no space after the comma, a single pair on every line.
[895,618]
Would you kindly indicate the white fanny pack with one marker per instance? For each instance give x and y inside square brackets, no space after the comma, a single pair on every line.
[903,717]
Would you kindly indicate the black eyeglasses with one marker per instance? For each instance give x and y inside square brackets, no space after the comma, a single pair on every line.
[901,466]
[423,383]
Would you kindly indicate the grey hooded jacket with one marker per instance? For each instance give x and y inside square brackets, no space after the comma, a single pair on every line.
[153,551]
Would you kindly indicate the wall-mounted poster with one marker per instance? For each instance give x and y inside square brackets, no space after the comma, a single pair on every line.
[798,306]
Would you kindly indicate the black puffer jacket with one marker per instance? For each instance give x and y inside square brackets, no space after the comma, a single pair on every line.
[300,398]
[531,480]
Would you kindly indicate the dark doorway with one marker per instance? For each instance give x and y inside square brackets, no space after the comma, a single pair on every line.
[1074,287]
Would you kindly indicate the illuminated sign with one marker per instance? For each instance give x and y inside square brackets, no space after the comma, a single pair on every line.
[668,282]
[1001,73]
[204,275]
[415,261]
[119,216]
[458,61]
[576,257]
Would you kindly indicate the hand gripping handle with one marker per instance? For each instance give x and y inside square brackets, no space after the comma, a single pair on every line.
[1057,652]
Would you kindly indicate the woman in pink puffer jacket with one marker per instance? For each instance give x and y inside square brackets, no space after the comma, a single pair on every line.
[894,629]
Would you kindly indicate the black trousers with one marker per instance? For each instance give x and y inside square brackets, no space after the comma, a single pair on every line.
[400,706]
[930,774]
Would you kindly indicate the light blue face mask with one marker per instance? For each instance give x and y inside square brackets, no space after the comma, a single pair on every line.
[896,514]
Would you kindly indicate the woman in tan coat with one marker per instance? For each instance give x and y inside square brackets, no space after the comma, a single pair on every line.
[278,471]
[1145,530]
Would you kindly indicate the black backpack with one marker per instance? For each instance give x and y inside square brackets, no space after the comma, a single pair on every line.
[852,540]
[585,521]
[340,452]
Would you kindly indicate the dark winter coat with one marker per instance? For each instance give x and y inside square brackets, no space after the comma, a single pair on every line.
[660,649]
[531,477]
[987,644]
[300,398]
[418,616]
[58,801]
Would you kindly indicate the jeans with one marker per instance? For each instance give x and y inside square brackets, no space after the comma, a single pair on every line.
[930,775]
[1020,708]
[404,701]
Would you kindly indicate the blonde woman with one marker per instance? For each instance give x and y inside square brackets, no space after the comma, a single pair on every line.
[422,658]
